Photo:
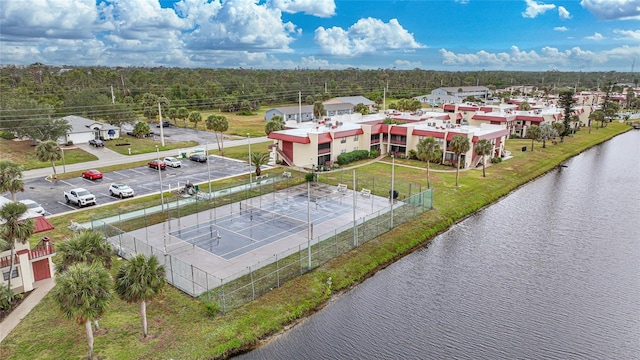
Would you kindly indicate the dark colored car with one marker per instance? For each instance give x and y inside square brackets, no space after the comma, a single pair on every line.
[96,143]
[155,164]
[92,174]
[164,124]
[130,133]
[199,157]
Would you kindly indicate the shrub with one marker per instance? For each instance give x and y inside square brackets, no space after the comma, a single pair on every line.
[350,157]
[309,177]
[6,296]
[373,153]
[7,135]
[413,155]
[69,143]
[496,160]
[212,308]
[245,112]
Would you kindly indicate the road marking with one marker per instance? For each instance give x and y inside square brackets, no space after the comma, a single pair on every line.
[121,174]
[66,182]
[67,205]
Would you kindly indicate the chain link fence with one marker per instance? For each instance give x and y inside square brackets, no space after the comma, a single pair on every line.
[263,276]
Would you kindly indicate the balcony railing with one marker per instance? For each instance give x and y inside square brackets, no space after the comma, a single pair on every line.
[6,261]
[324,151]
[42,251]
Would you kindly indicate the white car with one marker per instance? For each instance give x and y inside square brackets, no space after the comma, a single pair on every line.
[33,206]
[173,162]
[121,190]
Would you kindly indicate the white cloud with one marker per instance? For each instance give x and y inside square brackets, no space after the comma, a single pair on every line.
[237,24]
[628,34]
[319,8]
[464,2]
[517,58]
[560,28]
[613,9]
[563,13]
[405,64]
[62,19]
[596,36]
[367,36]
[535,8]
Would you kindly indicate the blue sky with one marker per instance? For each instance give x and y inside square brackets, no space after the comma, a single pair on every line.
[451,35]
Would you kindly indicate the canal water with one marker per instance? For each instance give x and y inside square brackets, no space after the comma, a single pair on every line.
[550,272]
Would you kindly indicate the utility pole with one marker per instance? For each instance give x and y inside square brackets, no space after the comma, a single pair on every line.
[299,107]
[113,97]
[161,127]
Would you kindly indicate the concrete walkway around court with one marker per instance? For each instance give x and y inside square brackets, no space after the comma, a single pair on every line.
[107,157]
[41,289]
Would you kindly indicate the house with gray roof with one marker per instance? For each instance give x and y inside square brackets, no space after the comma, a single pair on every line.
[83,130]
[453,94]
[332,107]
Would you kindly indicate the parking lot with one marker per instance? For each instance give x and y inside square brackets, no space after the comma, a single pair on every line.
[143,180]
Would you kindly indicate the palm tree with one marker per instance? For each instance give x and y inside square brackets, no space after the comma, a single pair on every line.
[525,106]
[533,133]
[259,159]
[318,110]
[139,280]
[546,133]
[597,115]
[183,113]
[83,293]
[560,130]
[275,124]
[459,145]
[11,178]
[427,150]
[483,148]
[49,151]
[14,229]
[86,247]
[219,124]
[195,117]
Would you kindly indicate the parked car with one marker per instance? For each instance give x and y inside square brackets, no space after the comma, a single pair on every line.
[80,197]
[173,162]
[33,206]
[121,190]
[92,174]
[96,142]
[165,123]
[199,157]
[155,164]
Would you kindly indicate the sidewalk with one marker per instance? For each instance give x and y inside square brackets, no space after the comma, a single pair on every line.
[41,289]
[108,157]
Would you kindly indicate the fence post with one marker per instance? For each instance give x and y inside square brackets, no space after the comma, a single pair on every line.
[224,299]
[253,287]
[193,283]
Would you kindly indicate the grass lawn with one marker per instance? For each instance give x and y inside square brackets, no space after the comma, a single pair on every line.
[239,125]
[183,329]
[24,152]
[144,145]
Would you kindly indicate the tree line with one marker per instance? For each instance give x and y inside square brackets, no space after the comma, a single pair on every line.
[33,97]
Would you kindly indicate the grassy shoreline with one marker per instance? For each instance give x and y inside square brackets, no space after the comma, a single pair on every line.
[183,329]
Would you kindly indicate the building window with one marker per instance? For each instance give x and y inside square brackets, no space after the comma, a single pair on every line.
[355,148]
[343,151]
[14,275]
[343,140]
[355,138]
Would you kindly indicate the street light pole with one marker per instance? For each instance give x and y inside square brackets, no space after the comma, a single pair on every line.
[160,177]
[393,175]
[206,150]
[250,181]
[309,224]
[64,165]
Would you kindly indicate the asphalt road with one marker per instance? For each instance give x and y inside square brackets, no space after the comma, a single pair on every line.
[143,180]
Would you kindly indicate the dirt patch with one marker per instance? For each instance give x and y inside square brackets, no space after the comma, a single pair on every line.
[16,302]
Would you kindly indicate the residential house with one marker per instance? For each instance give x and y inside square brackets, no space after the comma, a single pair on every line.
[30,265]
[454,94]
[83,130]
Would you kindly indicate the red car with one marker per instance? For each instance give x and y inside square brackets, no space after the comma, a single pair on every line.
[155,164]
[92,175]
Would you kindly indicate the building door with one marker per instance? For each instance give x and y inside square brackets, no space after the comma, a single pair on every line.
[41,270]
